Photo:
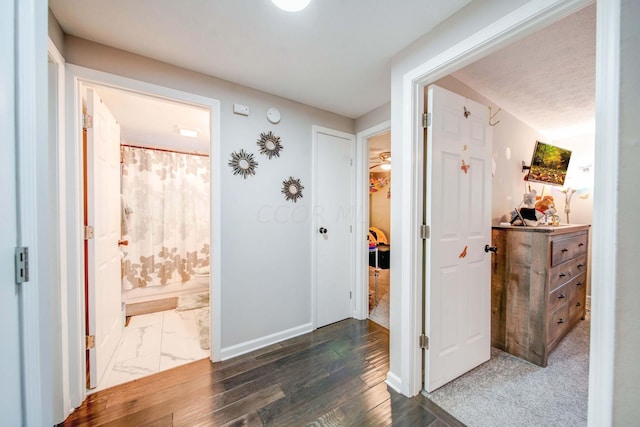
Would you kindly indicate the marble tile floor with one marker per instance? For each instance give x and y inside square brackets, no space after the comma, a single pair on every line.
[153,343]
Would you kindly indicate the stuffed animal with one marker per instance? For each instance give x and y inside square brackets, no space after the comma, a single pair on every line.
[546,205]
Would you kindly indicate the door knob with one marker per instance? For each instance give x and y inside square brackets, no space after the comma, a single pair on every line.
[322,230]
[123,242]
[488,248]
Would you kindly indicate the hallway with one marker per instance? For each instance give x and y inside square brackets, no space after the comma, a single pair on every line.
[332,376]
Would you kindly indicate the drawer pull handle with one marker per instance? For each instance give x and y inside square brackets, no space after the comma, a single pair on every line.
[578,304]
[580,245]
[560,321]
[564,250]
[580,265]
[561,296]
[579,284]
[562,275]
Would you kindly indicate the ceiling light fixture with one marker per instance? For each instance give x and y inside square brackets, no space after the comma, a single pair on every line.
[291,5]
[191,133]
[385,166]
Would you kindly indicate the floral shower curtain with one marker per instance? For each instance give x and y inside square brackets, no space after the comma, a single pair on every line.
[165,216]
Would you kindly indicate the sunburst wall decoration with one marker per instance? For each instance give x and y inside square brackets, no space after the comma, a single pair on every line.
[292,189]
[270,144]
[243,163]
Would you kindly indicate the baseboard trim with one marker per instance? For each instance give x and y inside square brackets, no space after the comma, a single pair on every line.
[394,382]
[249,346]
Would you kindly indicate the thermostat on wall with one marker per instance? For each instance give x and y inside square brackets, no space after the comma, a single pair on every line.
[273,115]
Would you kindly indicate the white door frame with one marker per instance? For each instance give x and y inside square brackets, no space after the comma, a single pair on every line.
[315,129]
[74,186]
[31,129]
[361,228]
[523,21]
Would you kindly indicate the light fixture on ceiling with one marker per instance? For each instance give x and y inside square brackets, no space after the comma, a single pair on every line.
[385,161]
[191,133]
[291,5]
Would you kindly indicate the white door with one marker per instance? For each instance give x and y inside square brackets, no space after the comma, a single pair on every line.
[103,214]
[458,210]
[332,222]
[10,386]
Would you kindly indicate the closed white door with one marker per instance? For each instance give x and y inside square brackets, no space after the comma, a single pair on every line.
[332,219]
[11,387]
[458,210]
[103,253]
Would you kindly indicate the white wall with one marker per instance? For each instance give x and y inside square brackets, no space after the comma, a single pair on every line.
[266,242]
[626,410]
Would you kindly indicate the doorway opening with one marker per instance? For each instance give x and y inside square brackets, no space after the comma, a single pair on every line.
[508,187]
[158,317]
[379,227]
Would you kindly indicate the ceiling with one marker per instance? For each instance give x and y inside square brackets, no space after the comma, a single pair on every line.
[334,55]
[547,79]
[153,122]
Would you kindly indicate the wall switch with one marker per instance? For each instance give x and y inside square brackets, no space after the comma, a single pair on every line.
[241,109]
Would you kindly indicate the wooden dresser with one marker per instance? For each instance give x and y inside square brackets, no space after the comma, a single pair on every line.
[538,287]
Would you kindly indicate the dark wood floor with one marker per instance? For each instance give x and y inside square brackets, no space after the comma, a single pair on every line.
[331,377]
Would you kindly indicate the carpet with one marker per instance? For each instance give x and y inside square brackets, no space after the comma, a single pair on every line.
[380,313]
[192,301]
[202,321]
[509,391]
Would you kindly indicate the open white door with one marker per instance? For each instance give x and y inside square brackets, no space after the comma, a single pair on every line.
[332,221]
[458,210]
[103,253]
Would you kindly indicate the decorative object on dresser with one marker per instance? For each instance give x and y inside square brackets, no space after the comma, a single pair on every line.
[538,287]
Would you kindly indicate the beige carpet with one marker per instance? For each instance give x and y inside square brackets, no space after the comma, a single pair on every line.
[509,391]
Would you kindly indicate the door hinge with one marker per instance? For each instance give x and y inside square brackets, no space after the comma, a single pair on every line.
[425,232]
[350,162]
[22,264]
[90,341]
[351,229]
[426,120]
[350,296]
[88,232]
[424,342]
[87,121]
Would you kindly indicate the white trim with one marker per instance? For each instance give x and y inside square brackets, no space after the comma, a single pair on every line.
[258,343]
[315,130]
[61,300]
[524,20]
[394,382]
[605,225]
[361,229]
[31,127]
[75,77]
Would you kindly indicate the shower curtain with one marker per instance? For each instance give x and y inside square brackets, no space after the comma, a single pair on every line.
[165,216]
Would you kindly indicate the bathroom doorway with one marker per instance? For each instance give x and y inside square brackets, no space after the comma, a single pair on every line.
[164,213]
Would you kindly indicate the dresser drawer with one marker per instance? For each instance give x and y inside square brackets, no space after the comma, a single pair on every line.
[559,296]
[569,247]
[564,272]
[576,310]
[557,323]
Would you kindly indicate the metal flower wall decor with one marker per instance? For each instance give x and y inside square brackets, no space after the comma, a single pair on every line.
[243,163]
[270,144]
[292,189]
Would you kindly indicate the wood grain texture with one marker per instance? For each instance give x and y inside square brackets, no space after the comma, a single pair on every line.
[333,376]
[538,280]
